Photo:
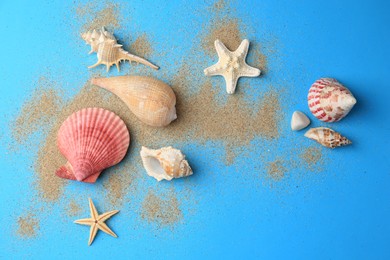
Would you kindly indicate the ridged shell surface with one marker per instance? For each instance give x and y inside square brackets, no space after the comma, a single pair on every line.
[94,38]
[165,163]
[92,140]
[109,52]
[151,100]
[330,101]
[327,137]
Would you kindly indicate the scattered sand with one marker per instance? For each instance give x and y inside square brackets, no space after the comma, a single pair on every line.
[260,61]
[94,15]
[276,170]
[73,209]
[163,210]
[312,158]
[141,46]
[38,112]
[219,6]
[28,226]
[120,182]
[227,30]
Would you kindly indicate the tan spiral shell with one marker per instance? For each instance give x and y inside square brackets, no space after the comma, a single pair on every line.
[91,139]
[327,137]
[151,100]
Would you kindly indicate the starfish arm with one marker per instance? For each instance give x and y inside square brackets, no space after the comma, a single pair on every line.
[221,49]
[242,50]
[94,213]
[103,227]
[85,221]
[213,70]
[231,82]
[248,71]
[92,234]
[103,217]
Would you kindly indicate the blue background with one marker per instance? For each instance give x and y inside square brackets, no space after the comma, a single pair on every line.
[340,213]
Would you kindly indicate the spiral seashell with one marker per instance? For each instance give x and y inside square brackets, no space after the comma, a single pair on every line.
[327,137]
[165,163]
[93,38]
[109,52]
[151,100]
[330,101]
[92,140]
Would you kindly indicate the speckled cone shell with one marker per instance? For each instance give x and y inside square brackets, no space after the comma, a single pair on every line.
[109,52]
[151,100]
[165,163]
[92,140]
[330,101]
[327,137]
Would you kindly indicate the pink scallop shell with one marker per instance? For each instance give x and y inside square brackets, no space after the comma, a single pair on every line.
[330,101]
[92,140]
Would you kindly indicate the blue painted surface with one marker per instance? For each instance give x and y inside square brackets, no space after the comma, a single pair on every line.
[342,212]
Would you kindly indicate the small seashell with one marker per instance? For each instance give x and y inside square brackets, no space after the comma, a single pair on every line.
[165,163]
[327,137]
[330,101]
[92,140]
[109,52]
[151,100]
[299,121]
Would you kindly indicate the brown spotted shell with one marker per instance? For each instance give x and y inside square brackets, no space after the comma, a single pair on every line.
[327,137]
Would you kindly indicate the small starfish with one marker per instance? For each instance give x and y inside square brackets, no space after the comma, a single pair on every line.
[232,65]
[97,222]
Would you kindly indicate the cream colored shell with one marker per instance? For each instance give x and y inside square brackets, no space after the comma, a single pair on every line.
[93,38]
[165,163]
[109,52]
[151,100]
[299,121]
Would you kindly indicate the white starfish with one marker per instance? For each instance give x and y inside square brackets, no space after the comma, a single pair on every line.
[232,65]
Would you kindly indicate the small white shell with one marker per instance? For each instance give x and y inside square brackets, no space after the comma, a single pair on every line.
[299,121]
[165,163]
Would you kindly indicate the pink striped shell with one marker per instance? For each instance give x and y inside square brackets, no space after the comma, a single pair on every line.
[330,101]
[92,140]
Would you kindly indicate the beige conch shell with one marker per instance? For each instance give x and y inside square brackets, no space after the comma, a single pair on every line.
[109,52]
[165,163]
[327,137]
[151,100]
